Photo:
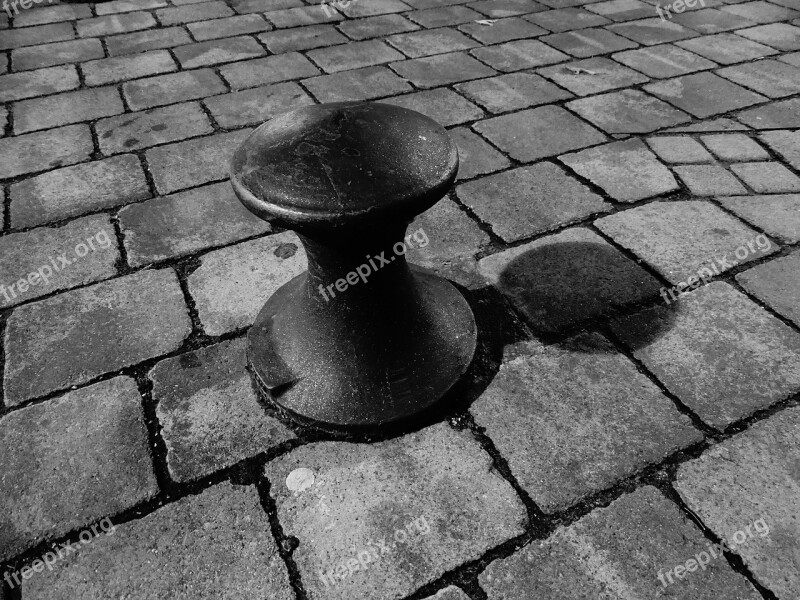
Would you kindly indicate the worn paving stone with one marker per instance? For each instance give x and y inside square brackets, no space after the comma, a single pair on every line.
[752,477]
[709,125]
[627,170]
[31,36]
[254,106]
[58,53]
[726,48]
[778,35]
[17,86]
[512,92]
[563,279]
[112,24]
[26,257]
[734,147]
[232,285]
[203,54]
[650,32]
[304,38]
[442,69]
[663,61]
[193,162]
[627,111]
[355,10]
[272,69]
[91,331]
[71,461]
[3,121]
[44,150]
[51,14]
[622,10]
[539,132]
[703,94]
[567,19]
[435,486]
[186,222]
[518,55]
[592,76]
[72,191]
[431,41]
[782,114]
[588,42]
[536,199]
[723,356]
[442,105]
[172,88]
[502,30]
[498,9]
[776,283]
[616,552]
[378,26]
[113,70]
[476,157]
[761,12]
[152,39]
[767,177]
[711,20]
[679,149]
[227,27]
[196,12]
[680,238]
[360,84]
[135,131]
[254,6]
[768,77]
[215,544]
[69,107]
[209,413]
[444,15]
[778,215]
[303,15]
[709,180]
[605,418]
[786,144]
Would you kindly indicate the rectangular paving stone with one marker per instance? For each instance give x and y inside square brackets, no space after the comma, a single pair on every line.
[703,94]
[512,92]
[767,177]
[193,162]
[663,61]
[196,12]
[17,86]
[563,279]
[171,88]
[746,491]
[228,26]
[786,144]
[431,41]
[518,55]
[762,12]
[431,495]
[650,32]
[91,331]
[710,20]
[51,14]
[593,75]
[498,9]
[627,111]
[272,69]
[679,149]
[254,6]
[771,78]
[721,354]
[31,36]
[442,105]
[476,157]
[536,199]
[709,125]
[777,284]
[621,10]
[217,543]
[203,54]
[778,215]
[360,84]
[356,9]
[302,38]
[502,30]
[442,69]
[112,70]
[62,109]
[44,150]
[231,284]
[709,180]
[303,15]
[734,147]
[776,115]
[58,53]
[588,42]
[89,244]
[353,55]
[72,191]
[778,35]
[120,6]
[186,222]
[112,24]
[726,48]
[72,461]
[538,133]
[567,19]
[253,107]
[153,39]
[617,552]
[378,26]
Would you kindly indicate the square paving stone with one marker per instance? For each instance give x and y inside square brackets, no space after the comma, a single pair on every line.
[476,156]
[209,413]
[767,177]
[539,132]
[567,19]
[593,75]
[502,30]
[581,404]
[786,144]
[203,54]
[431,41]
[304,38]
[778,215]
[679,149]
[18,86]
[776,115]
[254,106]
[616,552]
[372,27]
[512,92]
[749,478]
[703,94]
[709,180]
[563,279]
[588,42]
[442,105]
[650,32]
[627,171]
[359,84]
[44,150]
[441,69]
[663,61]
[62,109]
[71,461]
[628,111]
[769,77]
[232,284]
[777,284]
[711,20]
[726,48]
[217,544]
[410,509]
[272,69]
[530,200]
[353,55]
[778,35]
[722,355]
[26,257]
[734,147]
[680,238]
[85,333]
[518,55]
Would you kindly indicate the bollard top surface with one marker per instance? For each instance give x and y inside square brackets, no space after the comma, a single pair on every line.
[345,163]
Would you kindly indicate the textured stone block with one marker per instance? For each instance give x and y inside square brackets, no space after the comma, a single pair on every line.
[175,87]
[66,108]
[43,150]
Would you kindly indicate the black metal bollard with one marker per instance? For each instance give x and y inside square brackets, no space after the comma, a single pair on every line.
[361,339]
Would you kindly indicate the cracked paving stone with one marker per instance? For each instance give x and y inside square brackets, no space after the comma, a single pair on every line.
[272,69]
[650,32]
[444,15]
[778,214]
[777,284]
[113,24]
[58,53]
[628,111]
[121,68]
[622,10]
[196,12]
[762,12]
[32,36]
[171,88]
[502,30]
[663,61]
[410,509]
[213,52]
[431,41]
[567,19]
[70,461]
[616,552]
[354,55]
[592,76]
[217,544]
[153,39]
[710,20]
[441,69]
[371,27]
[703,94]
[722,355]
[228,26]
[579,434]
[750,477]
[94,330]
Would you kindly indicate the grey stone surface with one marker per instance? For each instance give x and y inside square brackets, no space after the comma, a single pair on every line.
[442,105]
[44,150]
[112,70]
[786,144]
[627,111]
[778,214]
[450,593]
[767,177]
[704,94]
[62,109]
[173,87]
[17,86]
[663,61]
[512,91]
[734,147]
[253,107]
[777,284]
[476,156]
[679,149]
[593,75]
[709,180]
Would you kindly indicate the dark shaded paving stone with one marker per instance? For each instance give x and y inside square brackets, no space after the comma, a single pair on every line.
[183,223]
[58,53]
[131,43]
[71,461]
[769,77]
[18,86]
[360,84]
[650,32]
[724,356]
[767,177]
[435,487]
[681,238]
[214,544]
[560,280]
[441,69]
[443,16]
[34,114]
[627,170]
[272,69]
[593,75]
[616,552]
[621,10]
[304,38]
[748,483]
[734,147]
[518,55]
[778,35]
[709,180]
[579,434]
[783,114]
[512,92]
[502,30]
[786,144]
[254,106]
[588,42]
[777,284]
[43,150]
[431,41]
[663,61]
[567,19]
[171,88]
[442,105]
[539,132]
[679,149]
[762,12]
[91,331]
[726,48]
[476,157]
[371,27]
[711,20]
[628,111]
[703,94]
[530,200]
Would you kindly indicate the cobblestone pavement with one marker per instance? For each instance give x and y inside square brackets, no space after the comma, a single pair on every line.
[626,226]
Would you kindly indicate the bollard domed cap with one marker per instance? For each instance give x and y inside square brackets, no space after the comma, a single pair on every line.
[346,163]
